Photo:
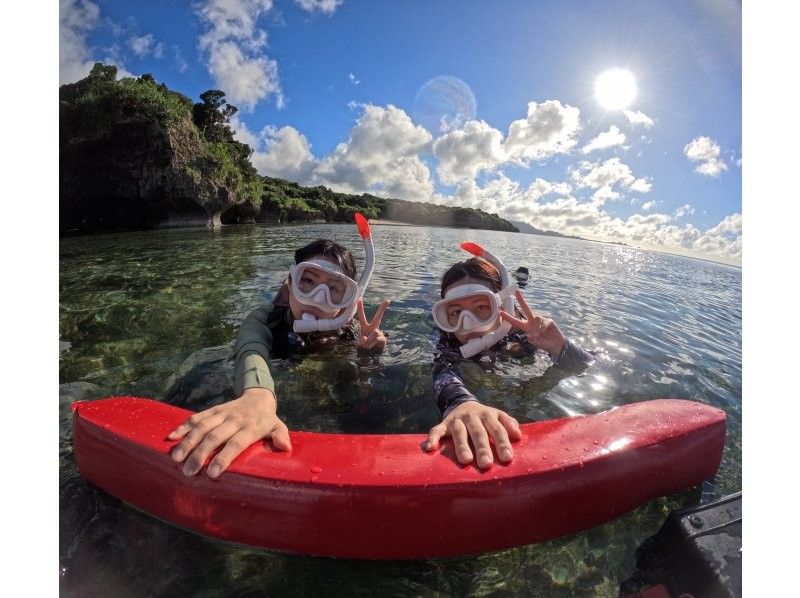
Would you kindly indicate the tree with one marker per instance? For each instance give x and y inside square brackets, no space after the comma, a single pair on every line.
[212,115]
[103,72]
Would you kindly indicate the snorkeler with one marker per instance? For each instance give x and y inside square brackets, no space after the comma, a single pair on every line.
[314,307]
[475,318]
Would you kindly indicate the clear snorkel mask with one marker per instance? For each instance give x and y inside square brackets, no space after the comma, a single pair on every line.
[322,284]
[488,308]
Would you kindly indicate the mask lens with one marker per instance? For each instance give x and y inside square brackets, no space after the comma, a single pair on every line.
[479,307]
[320,285]
[307,281]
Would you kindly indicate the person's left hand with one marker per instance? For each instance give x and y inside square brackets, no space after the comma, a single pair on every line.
[542,332]
[371,337]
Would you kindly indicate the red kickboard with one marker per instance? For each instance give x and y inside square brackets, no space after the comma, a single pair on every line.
[381,497]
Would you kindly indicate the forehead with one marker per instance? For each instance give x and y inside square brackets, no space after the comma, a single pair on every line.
[468,280]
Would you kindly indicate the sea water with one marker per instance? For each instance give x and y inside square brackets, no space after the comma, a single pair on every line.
[155,314]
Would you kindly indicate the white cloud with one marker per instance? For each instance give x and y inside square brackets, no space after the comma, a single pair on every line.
[381,156]
[146,45]
[234,46]
[569,215]
[639,118]
[604,177]
[280,152]
[648,205]
[180,63]
[353,79]
[706,151]
[683,210]
[288,155]
[550,128]
[730,225]
[605,140]
[641,185]
[76,19]
[327,7]
[465,152]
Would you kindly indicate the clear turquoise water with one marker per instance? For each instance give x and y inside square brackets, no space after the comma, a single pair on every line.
[154,314]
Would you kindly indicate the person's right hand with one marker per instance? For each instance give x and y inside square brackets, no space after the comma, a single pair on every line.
[236,425]
[472,420]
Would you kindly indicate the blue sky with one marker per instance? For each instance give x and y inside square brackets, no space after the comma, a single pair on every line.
[482,104]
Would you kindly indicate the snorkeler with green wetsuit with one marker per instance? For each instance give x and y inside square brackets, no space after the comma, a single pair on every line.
[314,307]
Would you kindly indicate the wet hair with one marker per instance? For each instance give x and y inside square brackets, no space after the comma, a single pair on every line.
[477,268]
[331,250]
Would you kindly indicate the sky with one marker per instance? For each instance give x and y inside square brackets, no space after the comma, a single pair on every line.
[489,105]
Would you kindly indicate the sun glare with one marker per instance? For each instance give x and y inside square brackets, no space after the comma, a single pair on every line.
[615,89]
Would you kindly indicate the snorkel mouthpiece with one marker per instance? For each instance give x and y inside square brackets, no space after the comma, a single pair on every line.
[311,324]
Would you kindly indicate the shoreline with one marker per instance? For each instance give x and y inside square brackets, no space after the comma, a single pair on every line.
[391,223]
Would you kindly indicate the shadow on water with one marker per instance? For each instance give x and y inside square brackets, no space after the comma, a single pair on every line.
[155,314]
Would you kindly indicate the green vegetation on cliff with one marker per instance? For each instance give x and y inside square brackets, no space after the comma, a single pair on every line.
[289,202]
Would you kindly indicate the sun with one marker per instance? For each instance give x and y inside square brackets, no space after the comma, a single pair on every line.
[615,89]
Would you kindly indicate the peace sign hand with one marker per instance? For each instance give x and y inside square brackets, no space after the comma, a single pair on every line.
[371,337]
[542,332]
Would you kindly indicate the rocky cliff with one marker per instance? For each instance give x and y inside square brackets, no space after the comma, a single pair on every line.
[131,157]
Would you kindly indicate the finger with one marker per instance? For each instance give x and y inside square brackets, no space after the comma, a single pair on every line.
[190,423]
[434,436]
[547,325]
[362,317]
[360,341]
[376,320]
[537,326]
[510,424]
[500,438]
[524,304]
[372,339]
[232,449]
[212,441]
[513,321]
[198,430]
[280,437]
[180,431]
[480,440]
[461,441]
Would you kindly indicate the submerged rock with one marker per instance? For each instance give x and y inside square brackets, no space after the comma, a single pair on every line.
[205,379]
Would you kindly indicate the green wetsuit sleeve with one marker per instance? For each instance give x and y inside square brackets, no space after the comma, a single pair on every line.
[251,352]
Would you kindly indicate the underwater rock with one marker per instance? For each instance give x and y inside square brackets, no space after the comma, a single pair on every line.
[205,379]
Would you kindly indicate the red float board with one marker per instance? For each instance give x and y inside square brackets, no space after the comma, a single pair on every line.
[381,497]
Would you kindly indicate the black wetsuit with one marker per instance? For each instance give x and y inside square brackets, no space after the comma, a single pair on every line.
[449,388]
